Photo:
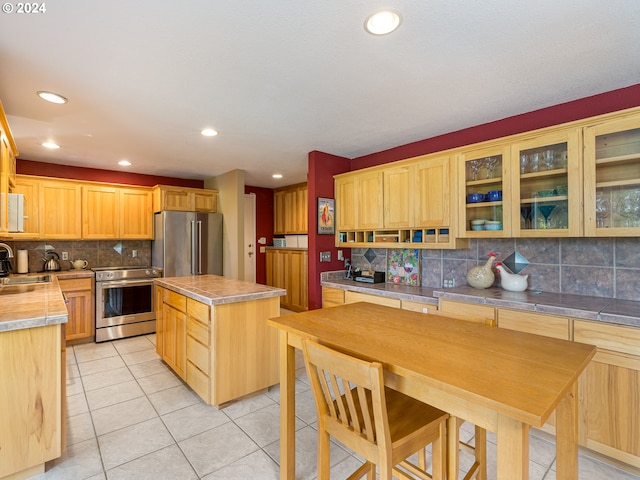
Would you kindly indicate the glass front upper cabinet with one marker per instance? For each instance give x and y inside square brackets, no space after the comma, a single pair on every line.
[612,178]
[484,182]
[547,186]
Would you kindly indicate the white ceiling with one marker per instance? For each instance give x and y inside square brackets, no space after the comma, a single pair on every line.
[281,78]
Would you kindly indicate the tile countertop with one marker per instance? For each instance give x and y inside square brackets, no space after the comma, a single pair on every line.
[214,290]
[622,312]
[31,305]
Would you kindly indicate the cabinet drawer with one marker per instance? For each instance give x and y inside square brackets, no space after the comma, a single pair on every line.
[198,331]
[198,354]
[476,313]
[75,284]
[418,306]
[352,297]
[177,301]
[198,311]
[610,337]
[537,323]
[199,382]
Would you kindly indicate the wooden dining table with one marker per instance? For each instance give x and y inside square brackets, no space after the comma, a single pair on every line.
[501,380]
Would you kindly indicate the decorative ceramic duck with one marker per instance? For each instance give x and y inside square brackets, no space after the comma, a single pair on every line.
[481,276]
[511,281]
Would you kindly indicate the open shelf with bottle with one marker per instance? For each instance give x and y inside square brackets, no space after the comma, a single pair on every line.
[612,178]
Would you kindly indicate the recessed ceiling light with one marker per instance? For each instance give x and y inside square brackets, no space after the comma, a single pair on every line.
[124,163]
[277,175]
[209,132]
[50,145]
[51,97]
[382,22]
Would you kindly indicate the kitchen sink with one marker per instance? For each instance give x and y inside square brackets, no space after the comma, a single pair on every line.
[25,280]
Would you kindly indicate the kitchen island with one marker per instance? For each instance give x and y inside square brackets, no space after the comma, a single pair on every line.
[32,381]
[212,331]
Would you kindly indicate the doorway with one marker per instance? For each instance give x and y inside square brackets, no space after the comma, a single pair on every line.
[250,237]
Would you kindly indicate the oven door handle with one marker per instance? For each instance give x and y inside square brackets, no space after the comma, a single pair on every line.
[124,283]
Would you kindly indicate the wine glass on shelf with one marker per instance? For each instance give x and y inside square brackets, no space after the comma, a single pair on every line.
[525,210]
[524,163]
[490,164]
[534,161]
[475,168]
[625,208]
[602,210]
[545,210]
[548,159]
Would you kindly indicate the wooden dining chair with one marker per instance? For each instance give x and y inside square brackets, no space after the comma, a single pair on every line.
[478,470]
[382,425]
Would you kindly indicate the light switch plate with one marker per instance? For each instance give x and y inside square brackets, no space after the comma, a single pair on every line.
[325,256]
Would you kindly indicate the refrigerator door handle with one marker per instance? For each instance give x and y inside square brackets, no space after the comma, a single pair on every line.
[194,248]
[199,227]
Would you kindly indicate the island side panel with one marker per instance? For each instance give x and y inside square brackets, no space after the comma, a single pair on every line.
[245,356]
[31,396]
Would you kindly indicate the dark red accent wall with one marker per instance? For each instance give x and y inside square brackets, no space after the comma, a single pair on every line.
[545,117]
[43,169]
[264,227]
[322,168]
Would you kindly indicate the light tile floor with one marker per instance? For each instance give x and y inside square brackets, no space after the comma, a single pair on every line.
[130,417]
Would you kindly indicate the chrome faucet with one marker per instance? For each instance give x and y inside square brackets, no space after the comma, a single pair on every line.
[8,249]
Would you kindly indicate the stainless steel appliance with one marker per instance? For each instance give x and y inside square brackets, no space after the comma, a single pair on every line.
[187,243]
[124,302]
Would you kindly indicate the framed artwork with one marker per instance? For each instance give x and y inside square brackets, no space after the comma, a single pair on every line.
[403,266]
[326,215]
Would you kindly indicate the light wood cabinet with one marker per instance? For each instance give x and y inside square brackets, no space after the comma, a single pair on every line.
[80,294]
[475,311]
[229,351]
[332,297]
[8,154]
[353,297]
[174,331]
[31,398]
[370,205]
[609,391]
[398,196]
[416,197]
[30,188]
[60,210]
[100,212]
[612,178]
[290,210]
[419,307]
[184,199]
[537,323]
[288,269]
[115,212]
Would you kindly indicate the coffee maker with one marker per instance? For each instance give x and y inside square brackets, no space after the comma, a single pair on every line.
[5,264]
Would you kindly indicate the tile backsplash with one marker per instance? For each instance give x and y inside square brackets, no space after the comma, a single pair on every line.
[98,253]
[599,267]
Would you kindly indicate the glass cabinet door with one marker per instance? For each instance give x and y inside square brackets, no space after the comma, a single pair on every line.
[485,185]
[547,188]
[612,178]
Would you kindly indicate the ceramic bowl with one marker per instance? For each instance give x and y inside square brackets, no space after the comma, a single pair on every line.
[494,195]
[477,227]
[546,193]
[475,197]
[562,189]
[493,225]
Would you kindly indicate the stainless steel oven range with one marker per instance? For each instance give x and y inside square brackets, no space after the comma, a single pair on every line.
[124,302]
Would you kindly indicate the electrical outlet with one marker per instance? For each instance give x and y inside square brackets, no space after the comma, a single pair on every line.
[340,256]
[65,255]
[325,256]
[449,283]
[134,253]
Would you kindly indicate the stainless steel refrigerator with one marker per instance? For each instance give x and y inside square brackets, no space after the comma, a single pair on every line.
[187,243]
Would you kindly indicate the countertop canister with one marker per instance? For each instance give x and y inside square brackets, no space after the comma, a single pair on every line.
[23,261]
